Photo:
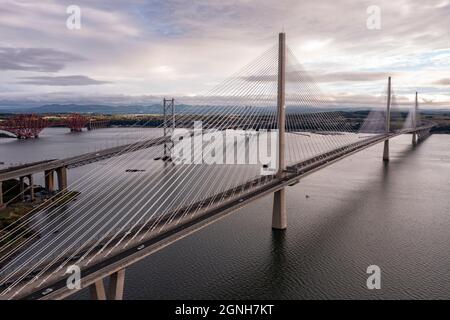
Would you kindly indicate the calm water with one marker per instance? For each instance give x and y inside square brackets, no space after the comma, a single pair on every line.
[358,212]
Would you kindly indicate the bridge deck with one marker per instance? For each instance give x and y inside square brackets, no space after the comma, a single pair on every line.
[81,160]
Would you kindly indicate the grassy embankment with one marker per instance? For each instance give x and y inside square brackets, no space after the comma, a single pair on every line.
[15,211]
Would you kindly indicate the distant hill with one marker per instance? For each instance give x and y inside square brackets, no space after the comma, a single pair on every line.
[105,109]
[75,108]
[131,109]
[157,109]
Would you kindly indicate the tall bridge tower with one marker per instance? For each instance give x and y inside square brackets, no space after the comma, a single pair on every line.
[388,122]
[168,124]
[414,120]
[279,219]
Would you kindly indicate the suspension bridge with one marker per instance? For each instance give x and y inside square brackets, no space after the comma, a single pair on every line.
[136,199]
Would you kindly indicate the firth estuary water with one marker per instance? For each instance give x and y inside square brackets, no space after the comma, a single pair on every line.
[342,219]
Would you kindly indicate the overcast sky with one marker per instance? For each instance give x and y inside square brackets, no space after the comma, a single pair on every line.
[131,51]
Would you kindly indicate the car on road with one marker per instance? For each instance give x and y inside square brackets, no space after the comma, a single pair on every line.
[47,291]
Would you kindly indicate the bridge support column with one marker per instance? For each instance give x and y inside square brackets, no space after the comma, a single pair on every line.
[97,290]
[115,289]
[62,179]
[22,188]
[414,138]
[386,151]
[31,186]
[279,219]
[1,195]
[116,285]
[49,180]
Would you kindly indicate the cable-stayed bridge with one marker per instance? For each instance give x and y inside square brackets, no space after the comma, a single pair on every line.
[138,198]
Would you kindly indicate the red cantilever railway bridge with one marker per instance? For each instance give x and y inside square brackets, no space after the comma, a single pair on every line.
[26,126]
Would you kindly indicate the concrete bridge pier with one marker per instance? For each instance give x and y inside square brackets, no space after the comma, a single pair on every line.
[22,188]
[97,290]
[62,179]
[279,217]
[115,289]
[1,195]
[414,138]
[49,180]
[386,151]
[116,285]
[31,186]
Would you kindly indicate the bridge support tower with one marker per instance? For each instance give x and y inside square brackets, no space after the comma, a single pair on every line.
[279,218]
[169,124]
[414,135]
[388,122]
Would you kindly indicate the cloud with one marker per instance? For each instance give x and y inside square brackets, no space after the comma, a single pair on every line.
[168,47]
[75,80]
[443,82]
[350,76]
[35,59]
[100,21]
[302,76]
[68,97]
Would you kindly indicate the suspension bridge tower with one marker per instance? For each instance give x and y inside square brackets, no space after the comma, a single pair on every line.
[388,122]
[279,219]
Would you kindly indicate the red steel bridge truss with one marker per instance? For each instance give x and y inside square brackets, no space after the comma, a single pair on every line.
[27,126]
